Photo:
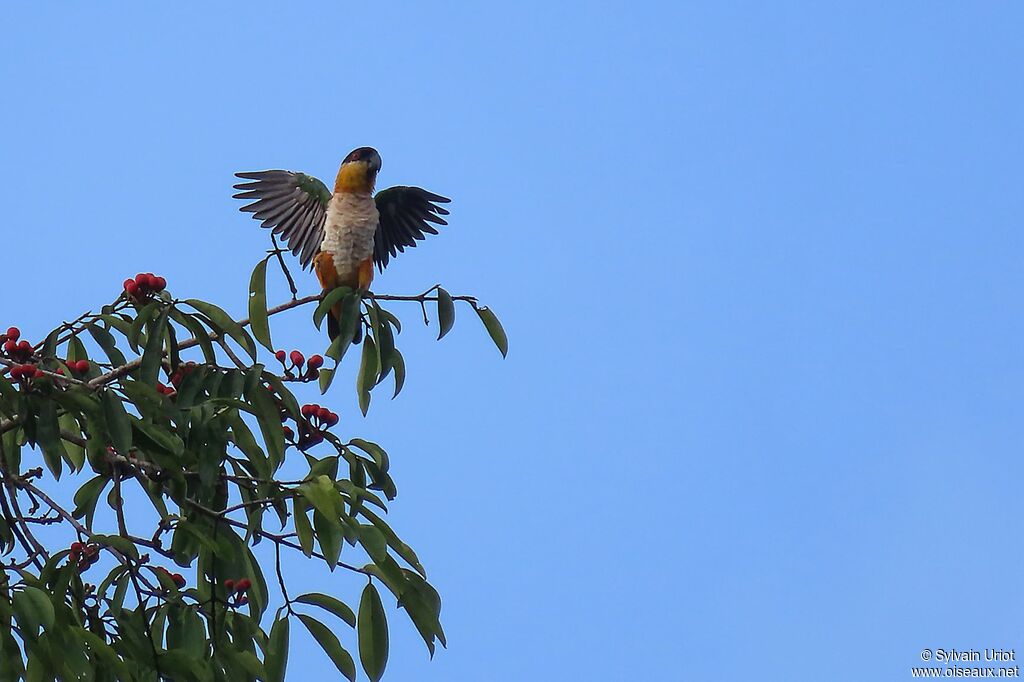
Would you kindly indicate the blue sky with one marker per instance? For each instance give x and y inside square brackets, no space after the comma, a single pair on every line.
[760,265]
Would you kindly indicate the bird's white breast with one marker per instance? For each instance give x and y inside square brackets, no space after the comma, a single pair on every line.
[348,230]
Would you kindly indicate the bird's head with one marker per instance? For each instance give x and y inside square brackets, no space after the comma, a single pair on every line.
[358,171]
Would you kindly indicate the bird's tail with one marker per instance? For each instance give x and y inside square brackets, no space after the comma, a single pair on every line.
[334,325]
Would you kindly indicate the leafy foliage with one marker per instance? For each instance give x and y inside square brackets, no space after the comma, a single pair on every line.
[180,433]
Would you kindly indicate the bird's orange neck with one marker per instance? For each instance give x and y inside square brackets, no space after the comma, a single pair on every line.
[354,178]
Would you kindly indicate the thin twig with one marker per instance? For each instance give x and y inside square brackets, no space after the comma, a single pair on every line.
[280,578]
[284,268]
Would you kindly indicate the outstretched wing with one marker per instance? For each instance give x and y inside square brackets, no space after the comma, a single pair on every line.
[293,205]
[406,214]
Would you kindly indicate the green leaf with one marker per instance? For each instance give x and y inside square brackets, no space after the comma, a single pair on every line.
[258,320]
[373,633]
[335,606]
[324,497]
[144,316]
[390,317]
[329,300]
[159,438]
[326,378]
[380,457]
[286,396]
[186,631]
[374,542]
[87,497]
[269,418]
[48,436]
[385,339]
[423,605]
[243,438]
[275,662]
[398,363]
[494,328]
[76,349]
[172,349]
[124,546]
[346,326]
[331,646]
[366,379]
[118,425]
[445,312]
[101,651]
[223,322]
[33,608]
[198,332]
[154,351]
[105,340]
[330,536]
[258,592]
[75,454]
[394,542]
[303,529]
[390,573]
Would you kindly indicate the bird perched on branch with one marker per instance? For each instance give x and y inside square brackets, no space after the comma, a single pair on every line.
[344,233]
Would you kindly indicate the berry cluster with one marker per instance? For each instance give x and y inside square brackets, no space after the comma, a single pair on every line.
[84,555]
[312,428]
[25,372]
[78,366]
[144,286]
[163,389]
[177,578]
[297,360]
[238,588]
[19,351]
[179,374]
[321,415]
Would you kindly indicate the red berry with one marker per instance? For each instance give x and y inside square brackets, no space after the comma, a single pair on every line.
[297,358]
[309,410]
[143,282]
[316,362]
[288,433]
[82,366]
[10,346]
[131,288]
[243,585]
[76,547]
[13,333]
[332,419]
[36,372]
[24,347]
[323,414]
[229,585]
[280,355]
[159,283]
[179,580]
